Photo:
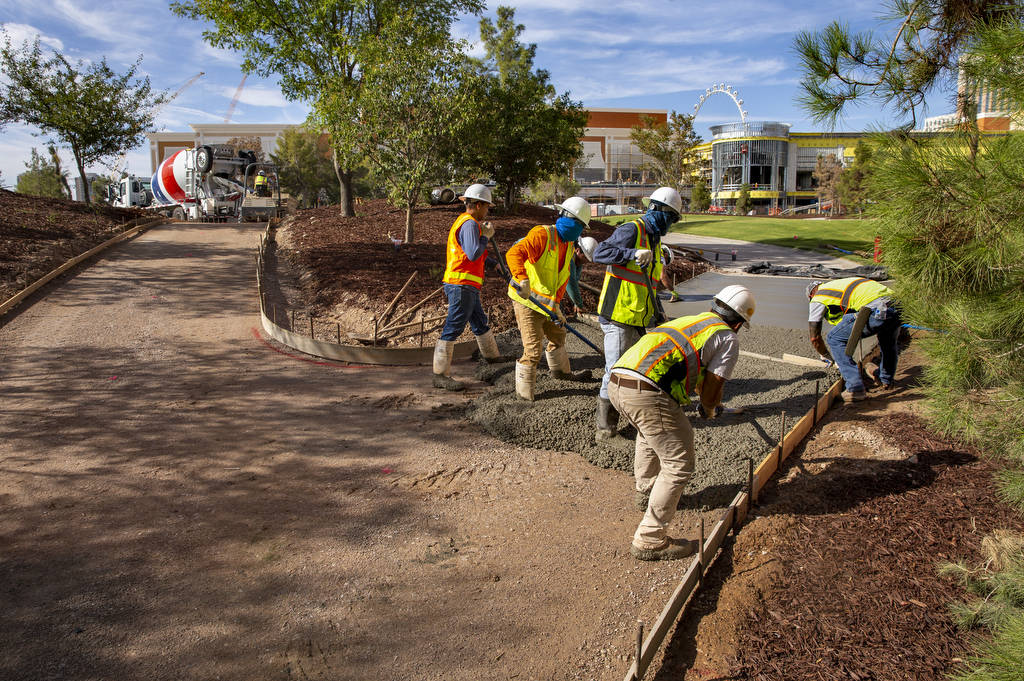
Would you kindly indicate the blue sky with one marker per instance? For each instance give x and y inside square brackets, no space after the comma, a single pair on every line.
[659,54]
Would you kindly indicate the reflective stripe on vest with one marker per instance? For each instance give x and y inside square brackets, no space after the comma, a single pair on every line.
[677,341]
[848,295]
[546,275]
[459,268]
[624,295]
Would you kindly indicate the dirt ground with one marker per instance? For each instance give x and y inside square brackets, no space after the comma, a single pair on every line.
[183,499]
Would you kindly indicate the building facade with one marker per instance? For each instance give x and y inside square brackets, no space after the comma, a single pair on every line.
[164,144]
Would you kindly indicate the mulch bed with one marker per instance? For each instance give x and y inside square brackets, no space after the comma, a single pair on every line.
[860,597]
[353,260]
[39,234]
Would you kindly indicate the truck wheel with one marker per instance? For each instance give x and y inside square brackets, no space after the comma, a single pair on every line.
[204,159]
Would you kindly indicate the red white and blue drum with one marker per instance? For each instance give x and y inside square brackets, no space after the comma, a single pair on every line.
[169,180]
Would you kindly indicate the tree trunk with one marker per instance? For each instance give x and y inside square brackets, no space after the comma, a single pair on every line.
[55,158]
[345,187]
[408,221]
[85,183]
[510,197]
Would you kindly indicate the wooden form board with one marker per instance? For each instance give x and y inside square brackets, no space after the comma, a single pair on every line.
[17,298]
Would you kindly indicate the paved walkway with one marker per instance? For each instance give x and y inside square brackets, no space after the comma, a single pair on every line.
[748,253]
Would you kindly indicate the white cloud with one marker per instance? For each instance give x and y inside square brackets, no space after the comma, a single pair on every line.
[22,33]
[257,95]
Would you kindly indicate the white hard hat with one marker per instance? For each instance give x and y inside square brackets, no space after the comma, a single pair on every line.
[737,299]
[668,196]
[477,192]
[668,254]
[587,245]
[576,207]
[813,285]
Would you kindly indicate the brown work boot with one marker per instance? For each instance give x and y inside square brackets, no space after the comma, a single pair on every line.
[857,396]
[674,549]
[447,383]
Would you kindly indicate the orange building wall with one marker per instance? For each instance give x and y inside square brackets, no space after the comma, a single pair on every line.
[620,119]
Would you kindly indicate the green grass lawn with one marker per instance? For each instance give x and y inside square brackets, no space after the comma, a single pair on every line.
[811,235]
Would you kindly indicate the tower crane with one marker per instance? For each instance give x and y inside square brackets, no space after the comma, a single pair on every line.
[234,100]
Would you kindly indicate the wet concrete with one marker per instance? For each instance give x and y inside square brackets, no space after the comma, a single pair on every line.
[562,417]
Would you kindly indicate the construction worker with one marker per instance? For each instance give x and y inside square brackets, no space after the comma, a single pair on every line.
[649,385]
[539,264]
[839,301]
[260,184]
[463,279]
[584,250]
[627,306]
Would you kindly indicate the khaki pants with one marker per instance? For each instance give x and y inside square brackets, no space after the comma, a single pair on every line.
[534,327]
[664,458]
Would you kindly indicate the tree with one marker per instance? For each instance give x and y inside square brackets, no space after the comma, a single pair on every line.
[952,222]
[700,199]
[554,188]
[99,188]
[827,173]
[316,48]
[62,174]
[669,148]
[40,178]
[523,130]
[853,182]
[97,113]
[304,167]
[743,204]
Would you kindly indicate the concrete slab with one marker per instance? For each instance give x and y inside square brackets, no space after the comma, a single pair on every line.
[748,253]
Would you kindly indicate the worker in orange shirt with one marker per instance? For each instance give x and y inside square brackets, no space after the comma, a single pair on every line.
[540,264]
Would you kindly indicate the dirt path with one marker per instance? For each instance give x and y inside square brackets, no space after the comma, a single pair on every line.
[180,500]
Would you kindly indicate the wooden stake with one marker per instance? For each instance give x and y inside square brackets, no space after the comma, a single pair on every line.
[311,334]
[750,485]
[375,330]
[700,554]
[639,648]
[420,304]
[782,438]
[339,333]
[387,311]
[398,327]
[817,392]
[421,328]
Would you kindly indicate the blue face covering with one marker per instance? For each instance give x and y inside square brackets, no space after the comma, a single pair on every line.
[660,220]
[569,229]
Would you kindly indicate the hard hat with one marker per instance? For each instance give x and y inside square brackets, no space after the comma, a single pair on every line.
[668,254]
[263,172]
[810,288]
[738,301]
[667,196]
[477,192]
[576,207]
[587,245]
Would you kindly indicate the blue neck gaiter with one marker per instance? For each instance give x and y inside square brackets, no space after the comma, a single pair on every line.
[660,220]
[568,229]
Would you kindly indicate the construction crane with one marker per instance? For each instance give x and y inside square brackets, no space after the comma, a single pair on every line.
[118,171]
[234,100]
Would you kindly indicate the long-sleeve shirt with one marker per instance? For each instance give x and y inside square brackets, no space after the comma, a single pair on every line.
[618,249]
[531,247]
[472,242]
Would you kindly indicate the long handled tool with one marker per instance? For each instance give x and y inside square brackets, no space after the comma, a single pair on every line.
[533,299]
[659,311]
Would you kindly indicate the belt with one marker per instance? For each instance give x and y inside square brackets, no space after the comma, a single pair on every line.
[633,383]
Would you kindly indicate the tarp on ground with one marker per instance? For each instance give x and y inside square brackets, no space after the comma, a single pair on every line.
[875,272]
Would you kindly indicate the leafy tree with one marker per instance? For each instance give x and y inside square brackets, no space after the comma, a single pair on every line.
[316,47]
[952,223]
[412,109]
[62,174]
[743,203]
[523,130]
[827,173]
[99,188]
[304,167]
[40,178]
[700,199]
[669,147]
[96,112]
[853,182]
[553,189]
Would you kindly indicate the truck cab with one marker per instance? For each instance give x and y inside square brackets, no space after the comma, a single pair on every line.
[130,191]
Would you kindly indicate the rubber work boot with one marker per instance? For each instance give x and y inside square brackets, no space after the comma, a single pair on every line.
[558,364]
[489,349]
[674,549]
[526,379]
[858,396]
[607,420]
[443,366]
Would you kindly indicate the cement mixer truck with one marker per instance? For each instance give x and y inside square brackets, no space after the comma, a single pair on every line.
[214,183]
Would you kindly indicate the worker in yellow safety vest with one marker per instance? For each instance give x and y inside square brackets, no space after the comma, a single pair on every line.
[627,306]
[540,264]
[260,184]
[466,254]
[650,384]
[839,301]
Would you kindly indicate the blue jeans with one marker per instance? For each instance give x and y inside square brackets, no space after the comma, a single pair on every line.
[882,323]
[617,339]
[463,306]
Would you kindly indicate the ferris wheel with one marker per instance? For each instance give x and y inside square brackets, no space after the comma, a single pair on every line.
[725,90]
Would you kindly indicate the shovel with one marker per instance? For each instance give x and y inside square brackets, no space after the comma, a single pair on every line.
[659,311]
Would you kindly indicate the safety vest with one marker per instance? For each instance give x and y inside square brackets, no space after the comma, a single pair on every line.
[547,275]
[459,268]
[260,179]
[625,297]
[848,295]
[665,346]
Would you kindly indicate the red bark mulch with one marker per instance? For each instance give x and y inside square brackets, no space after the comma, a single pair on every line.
[860,597]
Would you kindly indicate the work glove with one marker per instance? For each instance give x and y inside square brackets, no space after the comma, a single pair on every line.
[827,360]
[666,254]
[558,313]
[716,412]
[644,257]
[523,287]
[487,229]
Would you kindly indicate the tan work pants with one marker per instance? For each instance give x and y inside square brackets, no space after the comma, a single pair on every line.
[664,458]
[534,327]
